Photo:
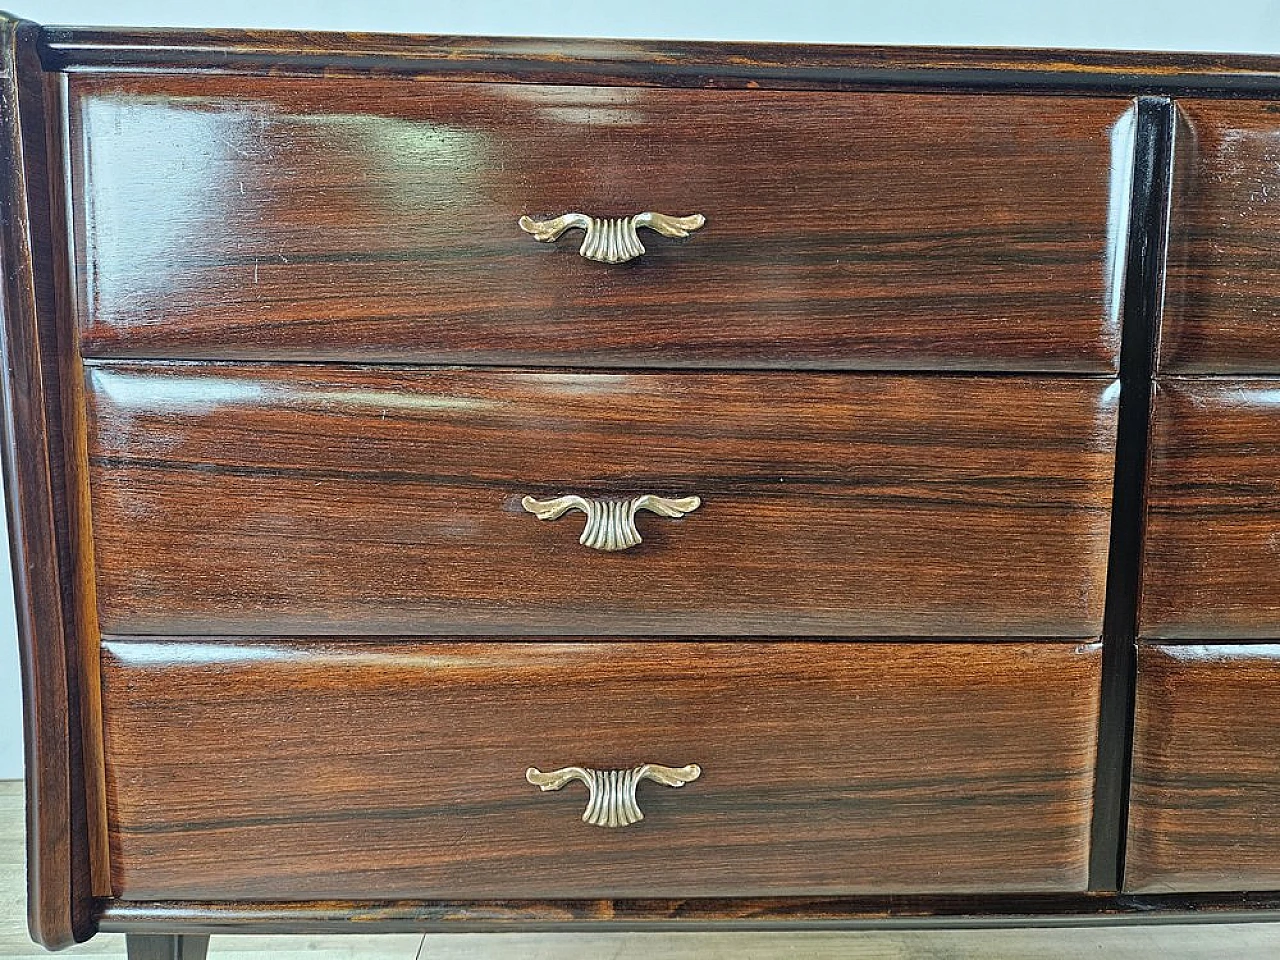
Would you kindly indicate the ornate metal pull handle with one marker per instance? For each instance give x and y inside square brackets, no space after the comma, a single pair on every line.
[611,524]
[613,792]
[612,240]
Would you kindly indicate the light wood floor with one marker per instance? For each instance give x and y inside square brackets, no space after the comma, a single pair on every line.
[1238,942]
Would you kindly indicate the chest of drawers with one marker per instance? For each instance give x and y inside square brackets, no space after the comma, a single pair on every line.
[511,485]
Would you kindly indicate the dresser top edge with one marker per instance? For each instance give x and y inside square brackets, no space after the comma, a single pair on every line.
[712,64]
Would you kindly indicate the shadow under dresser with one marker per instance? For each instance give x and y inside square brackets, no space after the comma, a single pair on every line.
[498,484]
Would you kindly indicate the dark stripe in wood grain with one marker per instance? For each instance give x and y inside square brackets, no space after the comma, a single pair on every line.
[233,218]
[356,770]
[1143,282]
[715,65]
[319,500]
[1205,802]
[1222,305]
[1212,549]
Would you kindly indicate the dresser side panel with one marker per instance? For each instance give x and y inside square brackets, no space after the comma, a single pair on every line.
[59,905]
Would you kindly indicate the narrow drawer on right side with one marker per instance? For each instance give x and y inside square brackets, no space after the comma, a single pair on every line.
[1205,792]
[1212,543]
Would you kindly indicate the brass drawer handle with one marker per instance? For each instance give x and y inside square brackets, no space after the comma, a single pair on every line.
[612,240]
[613,792]
[611,524]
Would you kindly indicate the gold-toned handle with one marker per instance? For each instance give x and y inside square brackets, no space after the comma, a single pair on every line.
[611,524]
[612,240]
[612,801]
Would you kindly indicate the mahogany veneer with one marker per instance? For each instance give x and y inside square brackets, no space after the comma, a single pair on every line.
[1213,516]
[1206,785]
[279,366]
[268,499]
[235,217]
[1222,302]
[360,770]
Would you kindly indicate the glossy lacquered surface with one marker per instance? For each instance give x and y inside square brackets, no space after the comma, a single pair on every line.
[1212,548]
[1222,301]
[235,217]
[37,458]
[292,499]
[361,770]
[671,63]
[256,199]
[1205,795]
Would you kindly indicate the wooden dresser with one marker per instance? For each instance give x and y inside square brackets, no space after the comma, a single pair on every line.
[506,484]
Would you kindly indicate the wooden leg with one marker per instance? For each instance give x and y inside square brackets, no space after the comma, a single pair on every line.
[153,946]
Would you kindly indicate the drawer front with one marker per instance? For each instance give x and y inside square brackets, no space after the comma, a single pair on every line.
[321,500]
[1212,545]
[279,771]
[1205,790]
[1222,300]
[272,218]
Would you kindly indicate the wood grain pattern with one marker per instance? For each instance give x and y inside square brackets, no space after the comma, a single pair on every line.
[708,65]
[705,914]
[1205,811]
[273,218]
[322,500]
[59,880]
[1222,303]
[1213,512]
[356,770]
[304,219]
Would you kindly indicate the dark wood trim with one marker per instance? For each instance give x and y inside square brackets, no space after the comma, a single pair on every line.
[59,897]
[1144,285]
[661,63]
[80,598]
[415,916]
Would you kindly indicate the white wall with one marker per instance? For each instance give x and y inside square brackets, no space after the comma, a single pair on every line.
[1229,25]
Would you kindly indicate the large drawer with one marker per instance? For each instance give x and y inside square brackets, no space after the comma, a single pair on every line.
[1222,290]
[253,218]
[1212,544]
[360,770]
[285,500]
[1205,793]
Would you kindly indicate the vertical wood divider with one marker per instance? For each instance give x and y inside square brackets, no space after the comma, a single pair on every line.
[1143,294]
